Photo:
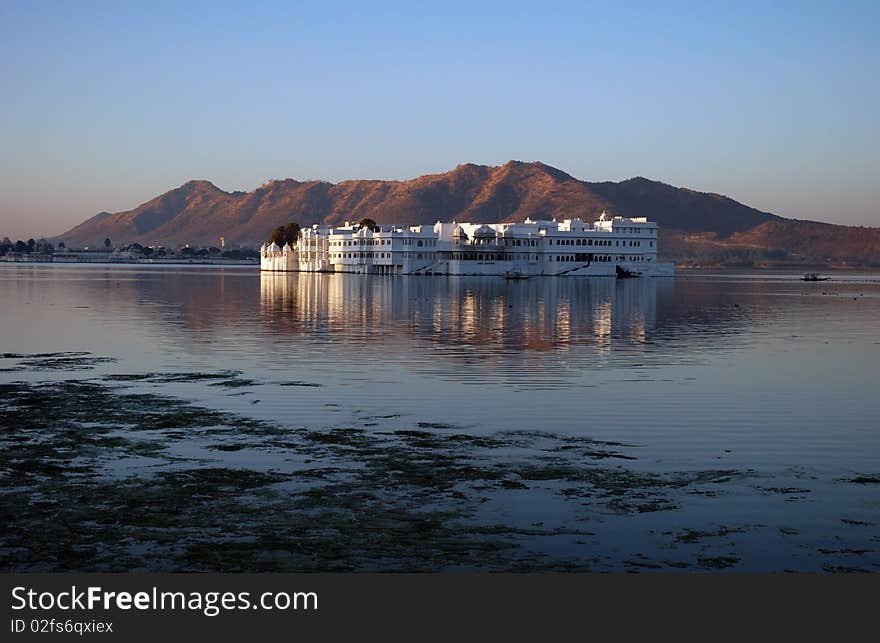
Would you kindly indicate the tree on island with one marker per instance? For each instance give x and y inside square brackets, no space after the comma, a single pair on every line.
[285,234]
[367,222]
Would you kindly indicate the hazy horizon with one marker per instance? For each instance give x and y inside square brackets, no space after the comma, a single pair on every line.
[108,106]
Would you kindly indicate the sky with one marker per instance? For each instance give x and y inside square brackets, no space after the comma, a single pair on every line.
[105,105]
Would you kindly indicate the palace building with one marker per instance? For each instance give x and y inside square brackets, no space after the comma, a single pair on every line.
[610,246]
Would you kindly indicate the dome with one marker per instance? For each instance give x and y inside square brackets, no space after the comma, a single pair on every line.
[484,231]
[273,247]
[263,248]
[286,248]
[459,233]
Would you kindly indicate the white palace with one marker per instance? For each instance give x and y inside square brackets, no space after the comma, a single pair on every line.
[611,246]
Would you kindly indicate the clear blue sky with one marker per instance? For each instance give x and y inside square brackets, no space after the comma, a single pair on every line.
[105,105]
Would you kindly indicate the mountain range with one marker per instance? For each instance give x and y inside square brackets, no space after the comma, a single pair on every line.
[697,228]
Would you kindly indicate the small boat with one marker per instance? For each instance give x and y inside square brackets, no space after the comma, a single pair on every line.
[513,274]
[814,276]
[623,273]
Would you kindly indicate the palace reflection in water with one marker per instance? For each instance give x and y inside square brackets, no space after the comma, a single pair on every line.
[468,313]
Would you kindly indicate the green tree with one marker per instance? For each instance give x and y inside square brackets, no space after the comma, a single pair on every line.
[367,222]
[285,234]
[291,230]
[277,236]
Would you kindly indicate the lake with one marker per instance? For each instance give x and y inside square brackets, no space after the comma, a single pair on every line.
[209,418]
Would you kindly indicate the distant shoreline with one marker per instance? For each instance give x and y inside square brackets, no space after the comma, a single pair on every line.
[781,266]
[681,270]
[140,262]
[255,262]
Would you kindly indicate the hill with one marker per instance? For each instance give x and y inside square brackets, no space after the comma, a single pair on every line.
[698,227]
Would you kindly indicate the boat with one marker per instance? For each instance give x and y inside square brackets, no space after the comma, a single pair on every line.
[814,276]
[515,274]
[623,273]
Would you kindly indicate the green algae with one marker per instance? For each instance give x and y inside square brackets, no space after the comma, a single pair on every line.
[718,562]
[98,478]
[399,500]
[692,536]
[169,378]
[235,383]
[63,361]
[866,479]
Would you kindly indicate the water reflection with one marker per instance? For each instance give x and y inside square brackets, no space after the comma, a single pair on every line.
[765,379]
[405,320]
[534,315]
[731,354]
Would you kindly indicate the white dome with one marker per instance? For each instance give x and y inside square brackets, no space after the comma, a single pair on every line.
[263,248]
[484,231]
[286,248]
[273,247]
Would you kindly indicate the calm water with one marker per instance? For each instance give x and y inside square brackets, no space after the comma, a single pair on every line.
[755,372]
